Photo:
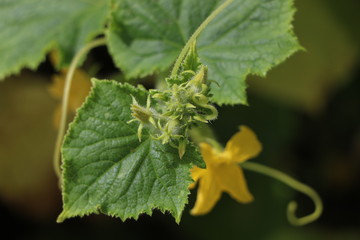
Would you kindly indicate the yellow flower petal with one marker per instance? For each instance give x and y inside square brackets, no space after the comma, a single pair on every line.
[222,173]
[54,57]
[208,153]
[79,90]
[208,194]
[243,145]
[196,173]
[231,180]
[57,87]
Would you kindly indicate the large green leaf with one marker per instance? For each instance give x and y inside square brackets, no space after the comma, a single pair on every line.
[107,169]
[30,28]
[248,37]
[309,79]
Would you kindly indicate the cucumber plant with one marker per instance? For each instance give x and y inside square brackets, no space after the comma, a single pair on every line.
[130,150]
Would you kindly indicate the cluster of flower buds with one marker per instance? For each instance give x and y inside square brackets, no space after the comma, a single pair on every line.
[183,105]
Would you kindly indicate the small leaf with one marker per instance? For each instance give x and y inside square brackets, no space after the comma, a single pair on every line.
[248,37]
[107,169]
[30,29]
[191,61]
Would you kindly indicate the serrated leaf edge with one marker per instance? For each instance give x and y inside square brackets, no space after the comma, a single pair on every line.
[67,213]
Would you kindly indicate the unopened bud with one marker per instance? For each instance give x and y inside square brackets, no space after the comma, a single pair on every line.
[140,113]
[182,147]
[199,78]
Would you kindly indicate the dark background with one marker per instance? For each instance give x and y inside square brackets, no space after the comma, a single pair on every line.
[306,113]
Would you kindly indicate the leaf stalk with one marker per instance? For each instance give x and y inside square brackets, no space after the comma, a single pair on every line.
[193,37]
[65,100]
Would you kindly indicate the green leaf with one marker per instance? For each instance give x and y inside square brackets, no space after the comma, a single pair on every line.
[320,71]
[248,37]
[30,29]
[107,169]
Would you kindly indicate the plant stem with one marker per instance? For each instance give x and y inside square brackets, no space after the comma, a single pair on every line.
[65,99]
[292,206]
[196,34]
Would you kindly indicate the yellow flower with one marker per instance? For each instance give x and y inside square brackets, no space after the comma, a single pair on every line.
[79,90]
[223,174]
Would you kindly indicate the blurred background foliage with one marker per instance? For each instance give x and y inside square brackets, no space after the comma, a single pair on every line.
[306,113]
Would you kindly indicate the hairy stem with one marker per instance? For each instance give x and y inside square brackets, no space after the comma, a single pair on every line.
[196,34]
[292,206]
[65,99]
